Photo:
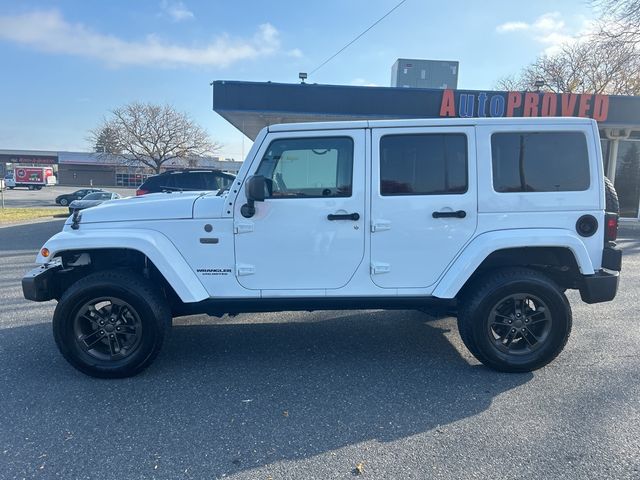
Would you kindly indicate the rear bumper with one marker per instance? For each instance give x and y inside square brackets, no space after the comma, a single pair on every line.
[612,257]
[38,285]
[599,287]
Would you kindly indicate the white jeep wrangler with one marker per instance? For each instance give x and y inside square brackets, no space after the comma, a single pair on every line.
[487,219]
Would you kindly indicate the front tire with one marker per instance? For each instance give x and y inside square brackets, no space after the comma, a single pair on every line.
[111,324]
[64,202]
[514,320]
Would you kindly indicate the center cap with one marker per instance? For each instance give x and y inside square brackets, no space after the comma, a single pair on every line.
[109,328]
[518,323]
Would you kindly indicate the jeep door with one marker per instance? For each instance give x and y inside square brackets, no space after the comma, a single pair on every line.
[423,202]
[308,232]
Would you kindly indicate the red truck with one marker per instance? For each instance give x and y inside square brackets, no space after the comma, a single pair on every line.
[34,178]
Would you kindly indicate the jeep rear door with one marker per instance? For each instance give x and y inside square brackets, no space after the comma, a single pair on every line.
[423,202]
[308,234]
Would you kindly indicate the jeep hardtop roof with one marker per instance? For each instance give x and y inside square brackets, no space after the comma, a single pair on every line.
[428,122]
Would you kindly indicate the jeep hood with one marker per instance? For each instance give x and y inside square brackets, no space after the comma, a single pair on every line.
[154,206]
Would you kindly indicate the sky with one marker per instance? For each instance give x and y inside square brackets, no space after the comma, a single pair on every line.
[65,64]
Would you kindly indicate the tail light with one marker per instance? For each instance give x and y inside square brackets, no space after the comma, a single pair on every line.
[611,227]
[141,192]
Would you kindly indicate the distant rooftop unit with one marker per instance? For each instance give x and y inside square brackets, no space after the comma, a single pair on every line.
[416,73]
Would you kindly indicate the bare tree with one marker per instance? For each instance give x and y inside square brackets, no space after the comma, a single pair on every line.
[620,19]
[596,65]
[144,134]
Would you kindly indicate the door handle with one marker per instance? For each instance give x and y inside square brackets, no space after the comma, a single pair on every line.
[343,216]
[457,214]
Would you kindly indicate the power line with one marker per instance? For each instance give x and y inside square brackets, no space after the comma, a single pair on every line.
[357,38]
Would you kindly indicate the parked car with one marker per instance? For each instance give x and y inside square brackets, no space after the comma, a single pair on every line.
[186,179]
[91,200]
[488,219]
[66,198]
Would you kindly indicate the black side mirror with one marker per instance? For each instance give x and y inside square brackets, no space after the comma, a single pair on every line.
[254,190]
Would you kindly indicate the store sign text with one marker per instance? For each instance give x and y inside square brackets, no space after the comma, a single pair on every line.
[524,104]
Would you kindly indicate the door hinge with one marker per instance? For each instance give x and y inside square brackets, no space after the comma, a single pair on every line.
[380,225]
[378,268]
[242,227]
[242,270]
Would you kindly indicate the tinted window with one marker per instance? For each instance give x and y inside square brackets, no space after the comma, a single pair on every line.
[216,181]
[428,164]
[308,167]
[190,181]
[98,196]
[539,161]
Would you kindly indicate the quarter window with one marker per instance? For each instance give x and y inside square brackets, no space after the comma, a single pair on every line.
[308,167]
[423,164]
[539,162]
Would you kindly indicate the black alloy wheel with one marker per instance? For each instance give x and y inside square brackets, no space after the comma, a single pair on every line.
[107,328]
[111,324]
[514,319]
[519,324]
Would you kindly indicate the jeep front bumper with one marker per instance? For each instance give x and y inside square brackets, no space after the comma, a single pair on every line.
[38,285]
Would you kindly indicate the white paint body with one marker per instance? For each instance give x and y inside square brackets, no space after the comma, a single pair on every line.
[290,249]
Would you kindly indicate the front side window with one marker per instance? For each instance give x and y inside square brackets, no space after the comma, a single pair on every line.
[539,162]
[423,164]
[308,167]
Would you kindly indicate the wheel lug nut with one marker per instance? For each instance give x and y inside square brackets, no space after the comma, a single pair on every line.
[101,332]
[526,320]
[513,330]
[510,321]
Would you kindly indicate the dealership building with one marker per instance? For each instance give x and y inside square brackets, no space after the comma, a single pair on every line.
[93,169]
[250,106]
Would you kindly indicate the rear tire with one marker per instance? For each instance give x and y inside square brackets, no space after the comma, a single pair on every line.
[111,324]
[514,320]
[612,204]
[64,202]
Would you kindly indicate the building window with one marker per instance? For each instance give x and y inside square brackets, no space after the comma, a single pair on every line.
[540,162]
[627,181]
[308,167]
[129,179]
[424,164]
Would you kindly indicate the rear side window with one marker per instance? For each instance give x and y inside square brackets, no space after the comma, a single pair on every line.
[423,164]
[540,162]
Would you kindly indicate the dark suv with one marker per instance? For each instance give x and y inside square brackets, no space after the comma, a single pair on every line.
[174,180]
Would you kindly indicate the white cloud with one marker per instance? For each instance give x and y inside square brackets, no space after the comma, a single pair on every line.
[295,53]
[512,27]
[48,31]
[361,82]
[176,10]
[548,29]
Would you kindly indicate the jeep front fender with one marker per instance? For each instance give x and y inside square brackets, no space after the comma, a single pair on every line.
[157,247]
[486,243]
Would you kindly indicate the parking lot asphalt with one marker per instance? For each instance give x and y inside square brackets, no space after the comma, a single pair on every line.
[312,395]
[22,197]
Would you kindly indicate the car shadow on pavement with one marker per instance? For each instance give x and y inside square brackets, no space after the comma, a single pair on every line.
[229,397]
[28,236]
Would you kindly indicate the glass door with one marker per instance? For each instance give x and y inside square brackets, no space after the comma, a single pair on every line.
[627,181]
